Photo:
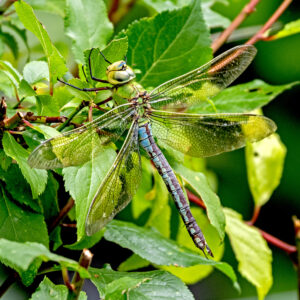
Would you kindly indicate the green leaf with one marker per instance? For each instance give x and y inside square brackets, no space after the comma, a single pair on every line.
[52,6]
[193,274]
[49,199]
[87,241]
[243,97]
[251,251]
[212,18]
[47,106]
[289,29]
[47,290]
[5,160]
[114,51]
[87,25]
[160,216]
[265,160]
[20,225]
[199,183]
[10,41]
[168,45]
[83,182]
[152,285]
[36,178]
[158,250]
[133,262]
[26,253]
[36,71]
[23,195]
[55,61]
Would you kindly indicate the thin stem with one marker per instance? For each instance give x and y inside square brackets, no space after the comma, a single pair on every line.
[72,115]
[77,282]
[43,119]
[297,238]
[254,216]
[248,9]
[260,34]
[62,214]
[65,276]
[278,243]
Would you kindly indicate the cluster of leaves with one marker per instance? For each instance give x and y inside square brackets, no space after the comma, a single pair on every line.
[155,48]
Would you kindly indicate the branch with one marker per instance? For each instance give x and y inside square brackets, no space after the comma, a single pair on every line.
[248,9]
[254,216]
[268,237]
[278,243]
[77,282]
[260,34]
[297,238]
[62,214]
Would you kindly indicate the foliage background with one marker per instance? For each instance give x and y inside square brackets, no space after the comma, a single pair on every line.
[277,62]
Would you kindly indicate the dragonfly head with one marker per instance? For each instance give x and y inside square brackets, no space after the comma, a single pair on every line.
[119,73]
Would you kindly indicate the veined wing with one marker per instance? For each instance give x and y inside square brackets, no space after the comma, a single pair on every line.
[78,146]
[210,134]
[203,82]
[119,185]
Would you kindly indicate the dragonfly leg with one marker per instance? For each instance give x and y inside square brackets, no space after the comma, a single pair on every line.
[90,67]
[84,89]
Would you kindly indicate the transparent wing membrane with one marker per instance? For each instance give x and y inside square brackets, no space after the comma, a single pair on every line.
[207,135]
[119,186]
[78,146]
[204,82]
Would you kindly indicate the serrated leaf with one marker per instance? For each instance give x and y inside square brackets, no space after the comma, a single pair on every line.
[199,183]
[243,97]
[5,160]
[212,18]
[155,248]
[36,71]
[25,253]
[144,285]
[36,178]
[265,160]
[251,251]
[55,61]
[92,30]
[289,29]
[23,195]
[47,290]
[82,183]
[168,45]
[20,225]
[47,106]
[193,274]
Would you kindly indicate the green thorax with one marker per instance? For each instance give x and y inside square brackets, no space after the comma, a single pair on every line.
[124,93]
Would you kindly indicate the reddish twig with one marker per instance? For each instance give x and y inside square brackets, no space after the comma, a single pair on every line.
[248,9]
[65,276]
[62,214]
[114,7]
[260,34]
[72,225]
[254,216]
[195,199]
[297,239]
[278,243]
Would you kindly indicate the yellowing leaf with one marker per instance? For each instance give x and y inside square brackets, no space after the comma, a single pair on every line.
[251,251]
[265,160]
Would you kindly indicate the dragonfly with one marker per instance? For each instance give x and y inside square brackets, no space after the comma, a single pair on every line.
[146,119]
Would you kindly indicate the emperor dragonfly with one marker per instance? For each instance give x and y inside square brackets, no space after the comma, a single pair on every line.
[156,114]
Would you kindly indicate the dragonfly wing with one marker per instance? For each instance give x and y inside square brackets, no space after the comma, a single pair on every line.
[119,186]
[203,83]
[78,146]
[207,135]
